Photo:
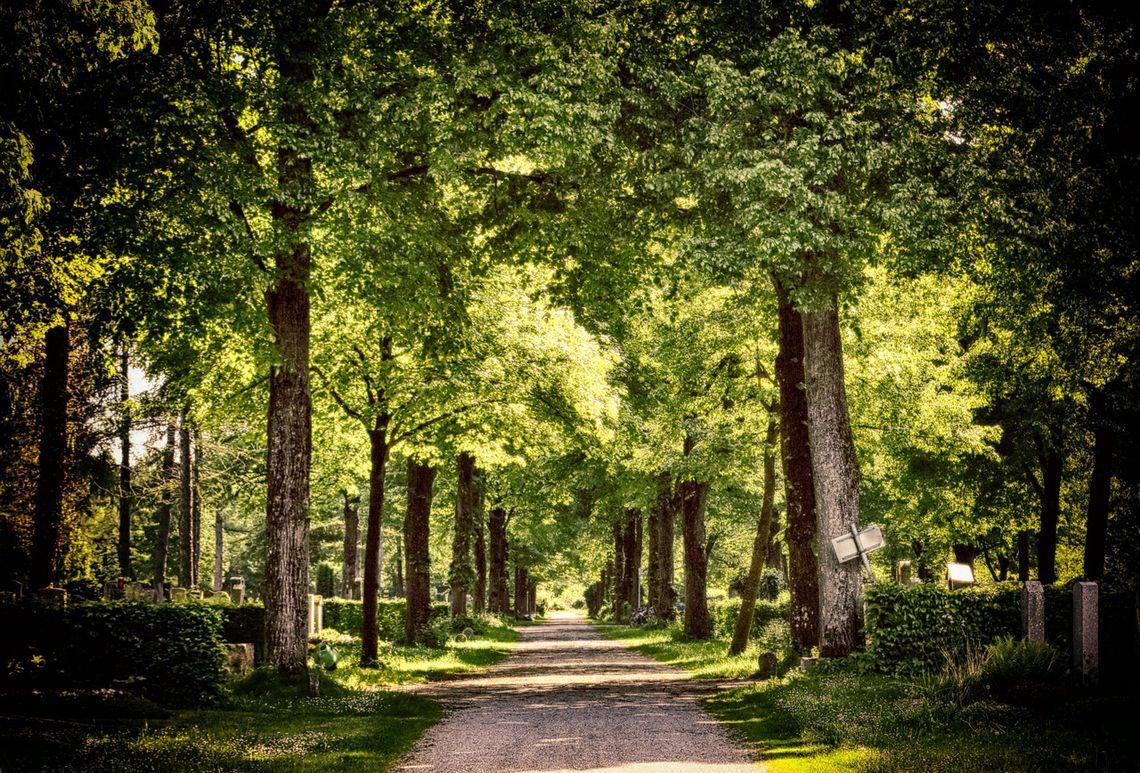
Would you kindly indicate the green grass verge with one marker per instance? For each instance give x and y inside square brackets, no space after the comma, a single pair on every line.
[838,720]
[263,725]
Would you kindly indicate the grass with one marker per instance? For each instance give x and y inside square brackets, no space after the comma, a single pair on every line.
[835,719]
[263,725]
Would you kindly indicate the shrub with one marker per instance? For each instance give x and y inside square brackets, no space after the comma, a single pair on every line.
[326,580]
[245,624]
[170,654]
[724,615]
[348,615]
[1009,663]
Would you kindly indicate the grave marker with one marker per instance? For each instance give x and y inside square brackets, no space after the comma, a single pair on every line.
[1033,611]
[1086,655]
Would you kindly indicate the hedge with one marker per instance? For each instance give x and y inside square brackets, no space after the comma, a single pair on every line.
[171,654]
[245,625]
[347,616]
[724,615]
[914,629]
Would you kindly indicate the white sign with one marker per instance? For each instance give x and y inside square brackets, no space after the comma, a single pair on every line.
[959,574]
[858,544]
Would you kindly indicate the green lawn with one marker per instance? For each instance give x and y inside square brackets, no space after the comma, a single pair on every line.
[834,719]
[355,725]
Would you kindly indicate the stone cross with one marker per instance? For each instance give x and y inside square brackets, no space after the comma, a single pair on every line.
[1033,611]
[1086,655]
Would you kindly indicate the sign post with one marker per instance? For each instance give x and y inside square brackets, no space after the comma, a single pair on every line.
[858,544]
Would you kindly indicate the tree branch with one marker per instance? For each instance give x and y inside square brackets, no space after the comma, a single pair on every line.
[344,406]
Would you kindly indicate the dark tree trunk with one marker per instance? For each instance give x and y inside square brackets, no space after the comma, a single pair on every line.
[759,545]
[665,508]
[417,559]
[462,574]
[351,567]
[694,496]
[185,508]
[653,560]
[398,587]
[196,509]
[219,551]
[1023,556]
[619,575]
[799,489]
[126,491]
[162,538]
[632,537]
[522,582]
[479,599]
[835,471]
[499,601]
[775,553]
[1100,488]
[47,527]
[373,542]
[531,597]
[1052,471]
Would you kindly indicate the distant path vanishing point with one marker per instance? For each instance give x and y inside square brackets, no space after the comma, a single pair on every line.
[569,699]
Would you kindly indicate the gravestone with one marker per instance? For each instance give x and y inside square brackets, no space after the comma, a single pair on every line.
[316,615]
[52,595]
[1086,656]
[959,575]
[767,665]
[904,573]
[178,595]
[237,590]
[239,658]
[1033,611]
[222,595]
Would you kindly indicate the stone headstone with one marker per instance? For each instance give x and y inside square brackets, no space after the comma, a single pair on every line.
[1033,611]
[178,595]
[237,588]
[195,593]
[1086,655]
[959,575]
[468,632]
[316,615]
[239,658]
[52,595]
[15,587]
[221,594]
[904,573]
[767,665]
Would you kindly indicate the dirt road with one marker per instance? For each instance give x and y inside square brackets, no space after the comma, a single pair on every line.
[569,699]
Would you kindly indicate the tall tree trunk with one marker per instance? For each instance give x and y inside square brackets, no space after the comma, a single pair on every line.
[462,574]
[1052,465]
[196,509]
[185,510]
[219,551]
[666,509]
[521,584]
[835,472]
[398,587]
[47,527]
[1023,556]
[417,556]
[162,538]
[1100,487]
[653,560]
[499,601]
[349,573]
[799,488]
[126,491]
[694,496]
[480,598]
[373,542]
[619,575]
[632,557]
[286,586]
[759,545]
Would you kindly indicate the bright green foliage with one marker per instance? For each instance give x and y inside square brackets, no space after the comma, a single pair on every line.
[346,616]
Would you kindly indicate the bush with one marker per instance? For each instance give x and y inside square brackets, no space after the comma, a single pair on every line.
[169,654]
[348,615]
[326,580]
[1011,663]
[245,624]
[724,615]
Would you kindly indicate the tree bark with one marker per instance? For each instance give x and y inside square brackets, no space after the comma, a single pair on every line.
[462,574]
[759,545]
[694,496]
[619,575]
[1100,488]
[479,599]
[835,471]
[417,556]
[632,537]
[1023,556]
[1052,471]
[162,538]
[126,491]
[521,583]
[653,560]
[47,529]
[185,509]
[350,571]
[195,508]
[799,488]
[665,508]
[373,543]
[499,601]
[398,586]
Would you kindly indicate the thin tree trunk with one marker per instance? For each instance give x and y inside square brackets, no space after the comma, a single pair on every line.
[632,557]
[799,489]
[373,541]
[1052,471]
[349,573]
[126,491]
[162,539]
[479,601]
[462,574]
[1023,556]
[196,509]
[759,546]
[694,496]
[185,510]
[521,583]
[417,556]
[653,560]
[835,472]
[1100,488]
[47,527]
[398,587]
[219,556]
[666,509]
[531,597]
[619,576]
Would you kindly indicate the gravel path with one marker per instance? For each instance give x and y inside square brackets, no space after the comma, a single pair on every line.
[569,699]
